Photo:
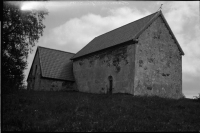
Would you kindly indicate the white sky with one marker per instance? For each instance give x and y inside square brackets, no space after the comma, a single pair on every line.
[70,25]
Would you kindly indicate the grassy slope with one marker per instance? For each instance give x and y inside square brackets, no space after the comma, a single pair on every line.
[75,111]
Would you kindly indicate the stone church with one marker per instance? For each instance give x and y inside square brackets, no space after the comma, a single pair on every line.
[51,70]
[139,58]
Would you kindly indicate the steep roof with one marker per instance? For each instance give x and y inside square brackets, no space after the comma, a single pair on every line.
[122,34]
[55,64]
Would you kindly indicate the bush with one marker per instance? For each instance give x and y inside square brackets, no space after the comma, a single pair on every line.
[197,97]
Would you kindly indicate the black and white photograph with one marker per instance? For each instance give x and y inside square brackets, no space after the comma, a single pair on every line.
[100,66]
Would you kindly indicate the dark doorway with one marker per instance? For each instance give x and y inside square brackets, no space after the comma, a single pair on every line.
[110,78]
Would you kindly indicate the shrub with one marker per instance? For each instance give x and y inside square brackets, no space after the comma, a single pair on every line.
[197,97]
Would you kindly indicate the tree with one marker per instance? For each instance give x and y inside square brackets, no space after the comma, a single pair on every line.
[21,30]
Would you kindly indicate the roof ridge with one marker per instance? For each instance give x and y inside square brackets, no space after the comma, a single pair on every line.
[153,15]
[148,23]
[171,32]
[127,24]
[55,50]
[82,48]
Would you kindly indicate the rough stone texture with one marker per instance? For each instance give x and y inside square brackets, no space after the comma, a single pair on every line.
[38,83]
[91,73]
[34,75]
[55,85]
[153,66]
[158,63]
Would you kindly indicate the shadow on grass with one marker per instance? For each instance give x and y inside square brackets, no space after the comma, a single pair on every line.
[76,111]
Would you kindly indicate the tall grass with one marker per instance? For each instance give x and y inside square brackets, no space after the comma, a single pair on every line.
[76,111]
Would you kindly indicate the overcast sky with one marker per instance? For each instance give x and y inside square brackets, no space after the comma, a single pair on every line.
[71,25]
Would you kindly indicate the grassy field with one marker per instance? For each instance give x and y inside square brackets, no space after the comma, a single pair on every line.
[75,111]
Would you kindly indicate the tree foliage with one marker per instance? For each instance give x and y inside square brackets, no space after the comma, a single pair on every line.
[21,30]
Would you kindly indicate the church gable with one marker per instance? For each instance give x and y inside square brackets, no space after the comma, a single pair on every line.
[158,62]
[51,70]
[115,37]
[171,33]
[123,34]
[35,65]
[35,73]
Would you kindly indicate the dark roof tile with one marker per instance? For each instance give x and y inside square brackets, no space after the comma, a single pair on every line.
[114,37]
[56,64]
[122,34]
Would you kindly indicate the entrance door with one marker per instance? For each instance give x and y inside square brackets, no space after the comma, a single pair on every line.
[110,78]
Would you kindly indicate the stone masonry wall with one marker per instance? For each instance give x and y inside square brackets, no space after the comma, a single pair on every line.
[34,75]
[91,73]
[56,85]
[158,63]
[38,83]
